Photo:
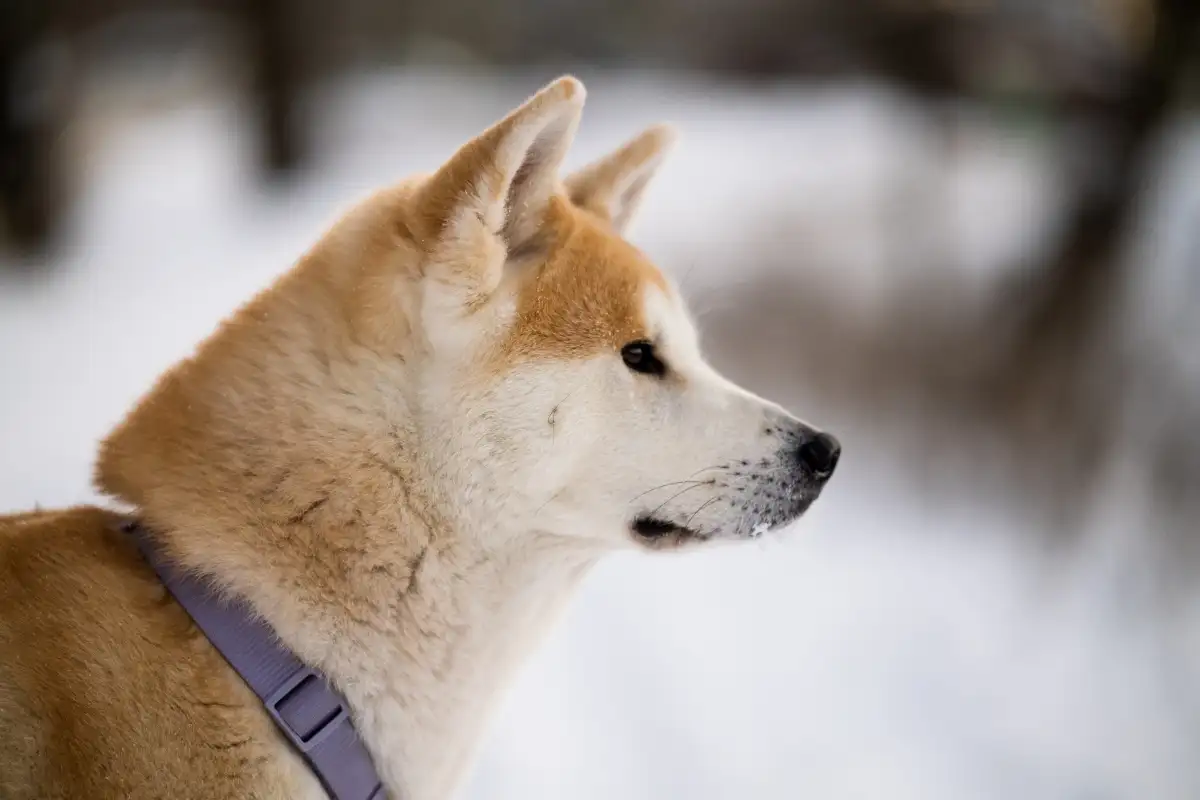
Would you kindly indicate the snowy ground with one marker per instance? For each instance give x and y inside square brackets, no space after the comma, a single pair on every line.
[907,642]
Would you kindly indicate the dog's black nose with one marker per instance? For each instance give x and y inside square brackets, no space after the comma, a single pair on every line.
[819,452]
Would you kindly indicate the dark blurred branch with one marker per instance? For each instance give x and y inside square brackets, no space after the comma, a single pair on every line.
[29,113]
[275,54]
[1069,300]
[1057,385]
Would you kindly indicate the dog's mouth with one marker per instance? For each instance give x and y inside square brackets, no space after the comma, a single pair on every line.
[657,532]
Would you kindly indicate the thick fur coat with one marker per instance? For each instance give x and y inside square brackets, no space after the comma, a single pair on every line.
[404,455]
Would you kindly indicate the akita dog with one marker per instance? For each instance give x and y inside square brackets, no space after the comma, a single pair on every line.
[403,457]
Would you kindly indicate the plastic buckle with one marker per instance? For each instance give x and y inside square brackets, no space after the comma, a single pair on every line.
[306,709]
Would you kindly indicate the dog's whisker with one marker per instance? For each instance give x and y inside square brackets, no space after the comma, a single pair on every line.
[677,494]
[551,499]
[708,469]
[703,506]
[663,486]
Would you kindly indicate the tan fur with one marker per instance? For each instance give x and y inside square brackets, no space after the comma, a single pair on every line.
[303,459]
[586,297]
[106,689]
[613,186]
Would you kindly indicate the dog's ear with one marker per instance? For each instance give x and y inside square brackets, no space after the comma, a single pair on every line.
[491,197]
[613,186]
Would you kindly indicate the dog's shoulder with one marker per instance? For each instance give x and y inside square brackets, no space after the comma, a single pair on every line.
[105,682]
[60,570]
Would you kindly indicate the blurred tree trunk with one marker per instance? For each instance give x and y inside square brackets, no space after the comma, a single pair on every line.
[1042,376]
[275,43]
[30,115]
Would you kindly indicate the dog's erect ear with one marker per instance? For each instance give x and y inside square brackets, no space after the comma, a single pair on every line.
[612,187]
[493,193]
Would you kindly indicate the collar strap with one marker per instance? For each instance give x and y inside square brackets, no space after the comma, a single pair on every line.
[313,717]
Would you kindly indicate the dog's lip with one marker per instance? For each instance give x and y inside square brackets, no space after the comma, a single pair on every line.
[656,529]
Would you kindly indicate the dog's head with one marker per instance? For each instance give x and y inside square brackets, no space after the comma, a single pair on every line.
[487,336]
[559,384]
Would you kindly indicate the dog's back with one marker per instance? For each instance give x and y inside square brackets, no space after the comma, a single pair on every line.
[106,687]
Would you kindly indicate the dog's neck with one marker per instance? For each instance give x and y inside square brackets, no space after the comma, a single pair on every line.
[424,652]
[422,635]
[255,464]
[456,642]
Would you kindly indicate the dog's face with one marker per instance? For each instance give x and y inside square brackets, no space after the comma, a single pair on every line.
[561,386]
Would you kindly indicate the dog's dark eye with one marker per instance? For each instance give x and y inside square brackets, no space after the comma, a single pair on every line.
[640,357]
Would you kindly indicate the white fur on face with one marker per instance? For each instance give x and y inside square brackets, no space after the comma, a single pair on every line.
[556,434]
[588,448]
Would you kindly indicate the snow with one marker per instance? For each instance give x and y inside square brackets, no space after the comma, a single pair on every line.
[908,639]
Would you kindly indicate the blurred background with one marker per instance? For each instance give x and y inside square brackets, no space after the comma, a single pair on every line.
[964,235]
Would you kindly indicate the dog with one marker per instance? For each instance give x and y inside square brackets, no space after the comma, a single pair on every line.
[404,456]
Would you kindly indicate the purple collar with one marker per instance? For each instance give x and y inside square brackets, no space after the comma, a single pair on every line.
[313,717]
